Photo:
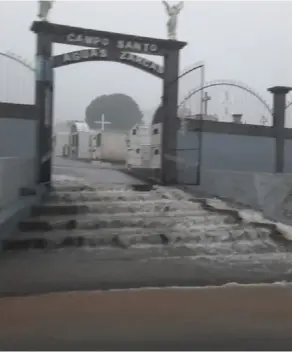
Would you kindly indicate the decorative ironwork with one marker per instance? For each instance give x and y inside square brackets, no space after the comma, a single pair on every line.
[17,79]
[228,83]
[19,59]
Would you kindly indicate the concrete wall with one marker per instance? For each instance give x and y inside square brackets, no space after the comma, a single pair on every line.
[238,153]
[187,156]
[270,193]
[232,152]
[14,174]
[17,138]
[288,156]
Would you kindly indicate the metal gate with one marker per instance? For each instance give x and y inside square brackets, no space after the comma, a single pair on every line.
[189,135]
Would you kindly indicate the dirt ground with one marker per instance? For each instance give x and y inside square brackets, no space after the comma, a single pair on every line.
[234,317]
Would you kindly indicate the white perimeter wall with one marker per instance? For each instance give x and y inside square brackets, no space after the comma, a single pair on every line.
[14,174]
[268,192]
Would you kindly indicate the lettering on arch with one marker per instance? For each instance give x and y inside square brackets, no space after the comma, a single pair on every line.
[103,54]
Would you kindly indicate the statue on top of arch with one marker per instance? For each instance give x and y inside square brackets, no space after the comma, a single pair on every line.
[44,9]
[172,12]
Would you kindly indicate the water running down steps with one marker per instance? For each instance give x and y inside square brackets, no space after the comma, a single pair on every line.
[125,236]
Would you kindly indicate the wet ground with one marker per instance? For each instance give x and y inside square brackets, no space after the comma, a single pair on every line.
[115,235]
[121,234]
[245,318]
[92,173]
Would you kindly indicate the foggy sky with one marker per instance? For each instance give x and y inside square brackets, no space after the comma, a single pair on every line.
[247,41]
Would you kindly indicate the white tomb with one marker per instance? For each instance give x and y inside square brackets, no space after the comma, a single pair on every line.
[60,141]
[138,146]
[144,146]
[109,146]
[156,145]
[79,140]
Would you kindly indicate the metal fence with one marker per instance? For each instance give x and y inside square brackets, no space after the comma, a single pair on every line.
[17,79]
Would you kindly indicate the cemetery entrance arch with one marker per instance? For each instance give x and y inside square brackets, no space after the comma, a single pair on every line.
[112,45]
[124,57]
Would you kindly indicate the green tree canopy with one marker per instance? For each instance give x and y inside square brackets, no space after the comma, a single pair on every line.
[119,109]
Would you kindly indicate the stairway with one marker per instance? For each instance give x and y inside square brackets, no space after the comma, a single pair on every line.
[139,225]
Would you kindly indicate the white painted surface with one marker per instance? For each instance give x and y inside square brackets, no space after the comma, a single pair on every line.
[61,139]
[134,158]
[113,147]
[14,174]
[143,138]
[81,126]
[156,138]
[140,134]
[145,156]
[267,192]
[84,144]
[155,162]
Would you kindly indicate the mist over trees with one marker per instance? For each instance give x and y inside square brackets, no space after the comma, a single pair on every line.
[119,109]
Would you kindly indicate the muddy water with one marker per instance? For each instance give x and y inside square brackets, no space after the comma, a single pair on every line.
[233,317]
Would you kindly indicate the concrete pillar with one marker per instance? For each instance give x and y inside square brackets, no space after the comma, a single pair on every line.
[279,108]
[237,118]
[44,107]
[170,125]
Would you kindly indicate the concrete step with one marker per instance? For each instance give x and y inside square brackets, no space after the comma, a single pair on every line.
[129,236]
[221,252]
[147,220]
[118,195]
[228,239]
[178,249]
[195,230]
[75,187]
[208,236]
[112,207]
[36,272]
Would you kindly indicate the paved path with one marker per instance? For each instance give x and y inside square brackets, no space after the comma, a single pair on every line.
[92,173]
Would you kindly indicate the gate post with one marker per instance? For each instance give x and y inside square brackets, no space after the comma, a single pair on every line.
[44,108]
[170,103]
[279,108]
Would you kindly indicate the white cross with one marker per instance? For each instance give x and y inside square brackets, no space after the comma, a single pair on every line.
[103,122]
[264,120]
[206,97]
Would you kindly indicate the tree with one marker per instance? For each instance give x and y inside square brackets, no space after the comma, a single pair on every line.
[119,109]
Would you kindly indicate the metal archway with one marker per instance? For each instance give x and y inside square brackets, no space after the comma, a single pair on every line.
[21,61]
[125,57]
[191,68]
[155,69]
[227,83]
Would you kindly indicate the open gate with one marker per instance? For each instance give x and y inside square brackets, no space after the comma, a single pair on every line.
[189,139]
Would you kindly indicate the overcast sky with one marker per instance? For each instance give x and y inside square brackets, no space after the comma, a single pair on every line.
[247,41]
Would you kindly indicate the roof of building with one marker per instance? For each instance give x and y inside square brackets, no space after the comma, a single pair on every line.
[82,127]
[141,125]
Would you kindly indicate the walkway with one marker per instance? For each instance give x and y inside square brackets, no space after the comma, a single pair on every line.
[91,173]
